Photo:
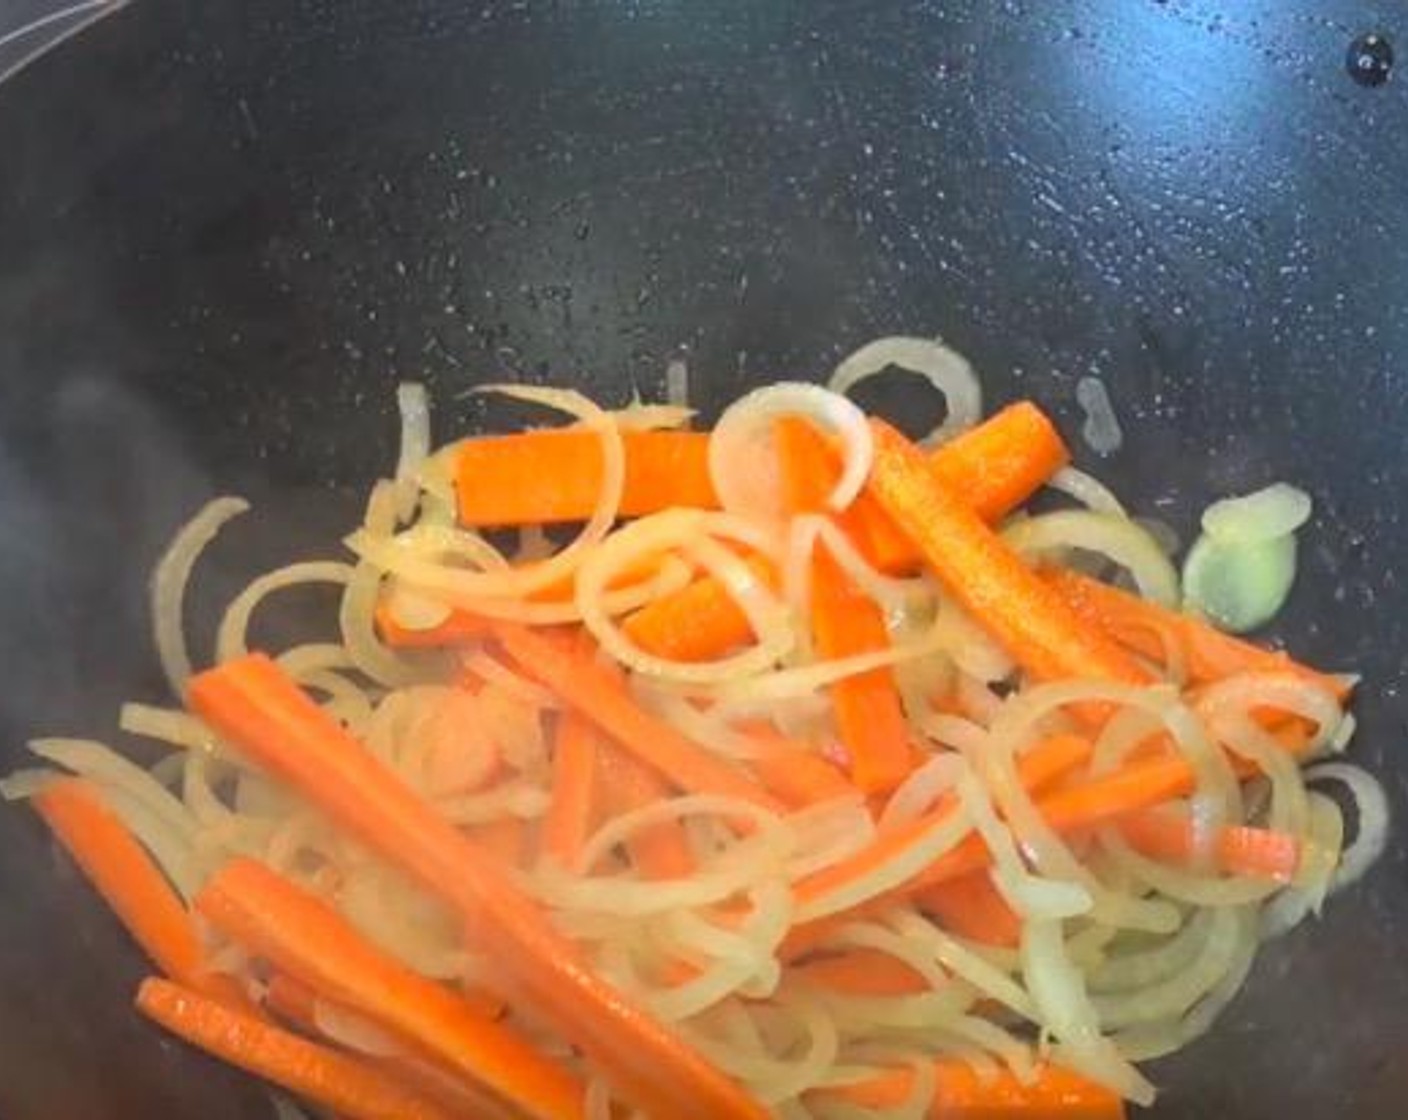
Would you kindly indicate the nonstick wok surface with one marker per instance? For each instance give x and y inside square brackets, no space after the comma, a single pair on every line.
[228,228]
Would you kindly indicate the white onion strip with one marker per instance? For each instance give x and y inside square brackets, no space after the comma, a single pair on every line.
[1371,806]
[413,403]
[693,530]
[1125,542]
[943,367]
[232,637]
[1088,490]
[168,587]
[403,556]
[741,446]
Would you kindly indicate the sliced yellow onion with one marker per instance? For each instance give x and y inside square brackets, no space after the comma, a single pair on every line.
[742,460]
[942,366]
[1065,1009]
[168,589]
[232,637]
[1371,808]
[1125,542]
[413,403]
[405,555]
[1088,490]
[651,417]
[693,531]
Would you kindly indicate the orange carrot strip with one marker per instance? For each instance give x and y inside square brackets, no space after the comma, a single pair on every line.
[698,622]
[353,1088]
[863,973]
[588,688]
[504,838]
[1138,624]
[995,467]
[295,1003]
[1258,852]
[972,907]
[1002,462]
[131,883]
[124,874]
[794,772]
[962,1094]
[576,792]
[661,851]
[257,708]
[1026,616]
[845,622]
[459,626]
[554,475]
[302,936]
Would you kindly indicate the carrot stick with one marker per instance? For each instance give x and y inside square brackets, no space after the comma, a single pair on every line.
[1026,616]
[963,1094]
[352,1088]
[995,466]
[459,626]
[862,973]
[131,883]
[255,706]
[505,838]
[1138,625]
[1257,852]
[302,936]
[588,688]
[845,622]
[794,771]
[1003,461]
[971,907]
[576,792]
[295,1003]
[661,851]
[698,622]
[554,475]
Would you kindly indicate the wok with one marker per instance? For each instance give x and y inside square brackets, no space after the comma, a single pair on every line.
[228,228]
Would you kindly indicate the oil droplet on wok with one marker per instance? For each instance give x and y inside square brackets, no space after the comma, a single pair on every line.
[1370,59]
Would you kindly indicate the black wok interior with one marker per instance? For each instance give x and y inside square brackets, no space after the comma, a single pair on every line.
[228,228]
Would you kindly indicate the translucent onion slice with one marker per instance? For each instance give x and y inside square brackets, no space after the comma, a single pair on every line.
[231,639]
[1125,542]
[1371,808]
[405,556]
[413,403]
[1065,1009]
[102,764]
[355,1032]
[651,417]
[943,367]
[692,530]
[1274,511]
[1088,490]
[742,463]
[168,589]
[1239,586]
